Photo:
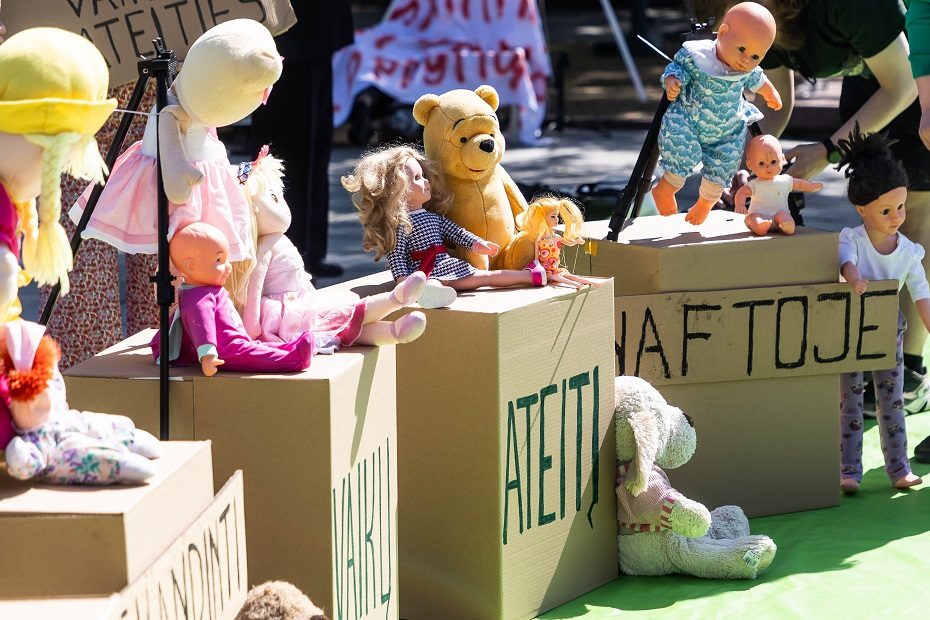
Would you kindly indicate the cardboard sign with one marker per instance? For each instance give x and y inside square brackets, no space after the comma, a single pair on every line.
[123,29]
[425,46]
[695,337]
[203,574]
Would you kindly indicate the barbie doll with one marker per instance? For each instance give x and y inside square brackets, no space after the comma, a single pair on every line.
[539,223]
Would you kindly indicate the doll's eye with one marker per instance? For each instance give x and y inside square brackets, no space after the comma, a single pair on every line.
[463,139]
[885,211]
[741,48]
[755,57]
[275,198]
[761,163]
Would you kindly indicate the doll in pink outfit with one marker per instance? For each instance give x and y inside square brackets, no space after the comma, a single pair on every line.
[768,192]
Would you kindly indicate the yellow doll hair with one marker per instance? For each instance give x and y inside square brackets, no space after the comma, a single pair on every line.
[534,221]
[378,186]
[53,87]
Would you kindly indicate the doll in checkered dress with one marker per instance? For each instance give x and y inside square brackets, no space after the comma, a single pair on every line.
[400,201]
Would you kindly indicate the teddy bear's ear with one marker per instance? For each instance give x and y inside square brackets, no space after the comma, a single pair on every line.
[424,107]
[489,95]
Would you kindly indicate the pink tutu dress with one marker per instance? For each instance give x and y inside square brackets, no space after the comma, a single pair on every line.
[126,215]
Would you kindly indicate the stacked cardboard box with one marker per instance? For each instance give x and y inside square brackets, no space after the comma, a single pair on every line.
[318,451]
[164,549]
[506,457]
[747,335]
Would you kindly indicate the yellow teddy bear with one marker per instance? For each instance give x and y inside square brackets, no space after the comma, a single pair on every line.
[462,135]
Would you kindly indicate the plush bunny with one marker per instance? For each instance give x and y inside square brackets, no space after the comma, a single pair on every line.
[227,74]
[54,443]
[662,531]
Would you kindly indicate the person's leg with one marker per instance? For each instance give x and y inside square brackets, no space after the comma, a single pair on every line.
[916,228]
[321,146]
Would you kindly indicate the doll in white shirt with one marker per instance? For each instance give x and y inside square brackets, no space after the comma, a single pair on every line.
[877,250]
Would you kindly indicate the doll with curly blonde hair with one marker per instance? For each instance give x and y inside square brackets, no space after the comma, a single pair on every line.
[401,199]
[539,223]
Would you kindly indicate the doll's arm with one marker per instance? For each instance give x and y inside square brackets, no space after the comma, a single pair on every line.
[675,77]
[518,204]
[9,277]
[854,277]
[768,92]
[178,173]
[743,194]
[485,247]
[460,236]
[200,323]
[688,517]
[803,185]
[251,314]
[23,459]
[397,257]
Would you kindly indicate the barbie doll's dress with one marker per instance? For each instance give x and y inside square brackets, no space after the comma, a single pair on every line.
[126,216]
[549,254]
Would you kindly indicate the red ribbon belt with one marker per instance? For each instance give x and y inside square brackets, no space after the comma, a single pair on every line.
[427,257]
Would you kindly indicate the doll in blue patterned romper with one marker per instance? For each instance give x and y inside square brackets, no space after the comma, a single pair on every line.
[400,201]
[707,119]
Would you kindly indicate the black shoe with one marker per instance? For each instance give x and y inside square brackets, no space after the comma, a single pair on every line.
[325,270]
[922,451]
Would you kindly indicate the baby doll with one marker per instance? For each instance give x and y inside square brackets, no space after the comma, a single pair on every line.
[877,250]
[53,88]
[211,330]
[706,121]
[228,73]
[54,443]
[391,189]
[539,223]
[281,301]
[768,207]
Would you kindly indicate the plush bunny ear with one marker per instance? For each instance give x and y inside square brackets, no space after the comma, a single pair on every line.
[489,95]
[424,107]
[640,412]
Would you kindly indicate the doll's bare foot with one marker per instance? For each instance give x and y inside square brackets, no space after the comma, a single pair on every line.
[437,295]
[409,291]
[849,485]
[663,194]
[908,481]
[698,213]
[409,327]
[785,223]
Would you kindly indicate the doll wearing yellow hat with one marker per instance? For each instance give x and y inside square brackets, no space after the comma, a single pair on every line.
[53,86]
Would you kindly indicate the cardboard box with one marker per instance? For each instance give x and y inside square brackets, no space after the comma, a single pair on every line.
[506,452]
[656,254]
[318,450]
[82,540]
[203,574]
[746,334]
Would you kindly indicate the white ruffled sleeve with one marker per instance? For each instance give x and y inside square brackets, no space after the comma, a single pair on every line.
[849,251]
[916,277]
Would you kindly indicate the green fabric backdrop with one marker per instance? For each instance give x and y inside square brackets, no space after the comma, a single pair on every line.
[867,558]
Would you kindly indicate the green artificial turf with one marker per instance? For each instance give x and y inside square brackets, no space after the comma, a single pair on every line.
[869,557]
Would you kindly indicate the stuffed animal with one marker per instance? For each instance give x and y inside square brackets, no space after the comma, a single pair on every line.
[281,301]
[54,443]
[227,74]
[278,600]
[661,531]
[53,88]
[462,135]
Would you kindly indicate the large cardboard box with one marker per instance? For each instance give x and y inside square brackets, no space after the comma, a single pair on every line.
[82,540]
[318,450]
[746,334]
[203,574]
[506,452]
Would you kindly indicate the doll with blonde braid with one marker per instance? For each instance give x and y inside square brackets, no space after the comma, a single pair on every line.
[539,223]
[401,201]
[53,88]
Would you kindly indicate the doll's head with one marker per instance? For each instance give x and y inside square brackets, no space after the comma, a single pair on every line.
[53,88]
[543,216]
[745,34]
[200,253]
[384,184]
[228,72]
[28,365]
[764,156]
[877,181]
[263,182]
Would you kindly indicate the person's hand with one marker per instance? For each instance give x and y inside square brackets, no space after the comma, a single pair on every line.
[485,247]
[672,87]
[859,286]
[809,160]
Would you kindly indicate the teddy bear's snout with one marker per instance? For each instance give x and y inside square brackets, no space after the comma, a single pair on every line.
[487,145]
